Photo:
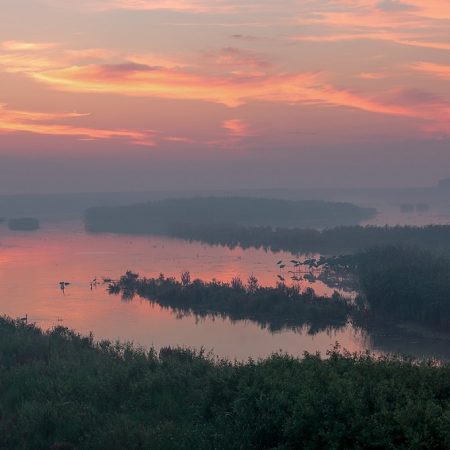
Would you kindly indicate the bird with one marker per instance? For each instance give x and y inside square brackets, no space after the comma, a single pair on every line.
[280,277]
[282,266]
[279,262]
[63,284]
[94,283]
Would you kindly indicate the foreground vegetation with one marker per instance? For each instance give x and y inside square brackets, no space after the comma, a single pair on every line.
[329,241]
[59,390]
[161,216]
[272,307]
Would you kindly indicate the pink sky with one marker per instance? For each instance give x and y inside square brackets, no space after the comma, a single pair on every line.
[141,94]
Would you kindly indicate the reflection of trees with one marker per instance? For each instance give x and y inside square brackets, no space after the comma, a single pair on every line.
[328,241]
[273,308]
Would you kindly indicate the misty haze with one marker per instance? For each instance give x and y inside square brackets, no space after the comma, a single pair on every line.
[224,224]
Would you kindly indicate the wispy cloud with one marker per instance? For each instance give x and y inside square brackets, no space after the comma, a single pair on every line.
[245,73]
[20,121]
[374,75]
[236,58]
[413,23]
[27,46]
[189,6]
[439,70]
[237,128]
[387,37]
[230,90]
[231,87]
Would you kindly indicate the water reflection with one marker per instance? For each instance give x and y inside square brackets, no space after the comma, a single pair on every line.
[272,308]
[33,264]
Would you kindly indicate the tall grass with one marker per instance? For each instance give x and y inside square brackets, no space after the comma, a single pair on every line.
[60,390]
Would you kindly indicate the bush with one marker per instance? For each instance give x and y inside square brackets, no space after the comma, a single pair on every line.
[61,390]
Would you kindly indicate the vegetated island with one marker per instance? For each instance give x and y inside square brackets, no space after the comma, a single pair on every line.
[274,308]
[258,223]
[162,216]
[328,241]
[396,285]
[61,390]
[23,224]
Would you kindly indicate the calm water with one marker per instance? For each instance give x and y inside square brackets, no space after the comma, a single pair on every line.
[32,264]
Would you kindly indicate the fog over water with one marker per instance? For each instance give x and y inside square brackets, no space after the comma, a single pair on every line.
[33,263]
[31,266]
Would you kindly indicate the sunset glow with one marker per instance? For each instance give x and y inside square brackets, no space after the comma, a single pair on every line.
[249,75]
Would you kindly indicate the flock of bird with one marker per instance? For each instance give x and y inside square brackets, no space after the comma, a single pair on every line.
[94,283]
[63,284]
[25,319]
[295,274]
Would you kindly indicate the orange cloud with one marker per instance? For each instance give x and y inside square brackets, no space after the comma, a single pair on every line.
[237,128]
[431,9]
[373,75]
[27,63]
[388,37]
[15,121]
[396,9]
[27,46]
[232,89]
[434,9]
[251,79]
[438,70]
[190,6]
[414,23]
[229,90]
[145,81]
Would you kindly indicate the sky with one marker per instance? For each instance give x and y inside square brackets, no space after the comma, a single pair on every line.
[108,95]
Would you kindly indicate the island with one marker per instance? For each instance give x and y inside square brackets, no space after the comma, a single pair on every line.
[161,216]
[23,224]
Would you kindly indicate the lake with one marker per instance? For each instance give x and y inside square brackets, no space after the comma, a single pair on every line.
[33,263]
